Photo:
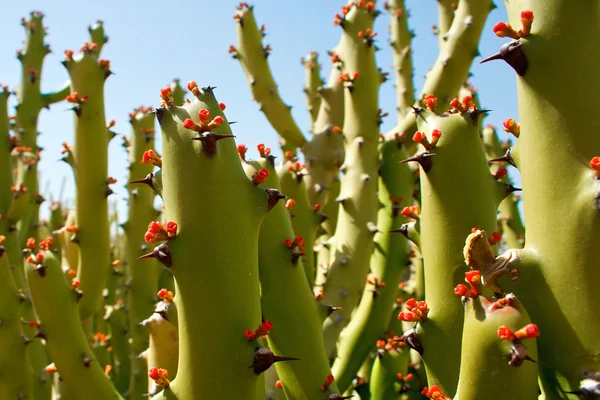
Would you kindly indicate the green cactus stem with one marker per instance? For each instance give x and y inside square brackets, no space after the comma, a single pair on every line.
[325,233]
[253,55]
[558,281]
[305,218]
[388,262]
[451,208]
[178,92]
[117,319]
[509,367]
[446,9]
[287,302]
[15,371]
[400,42]
[90,155]
[198,203]
[30,103]
[324,152]
[14,204]
[386,383]
[163,346]
[454,61]
[66,341]
[353,240]
[313,83]
[142,275]
[512,229]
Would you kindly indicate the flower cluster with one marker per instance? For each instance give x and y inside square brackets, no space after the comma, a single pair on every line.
[165,295]
[473,278]
[420,138]
[206,124]
[262,330]
[157,232]
[434,393]
[529,331]
[417,311]
[160,376]
[150,156]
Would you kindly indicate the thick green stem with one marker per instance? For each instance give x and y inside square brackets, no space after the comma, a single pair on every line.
[400,42]
[15,372]
[513,231]
[454,61]
[353,239]
[90,154]
[484,351]
[203,181]
[56,307]
[288,302]
[313,83]
[388,262]
[253,58]
[304,218]
[559,287]
[451,208]
[142,275]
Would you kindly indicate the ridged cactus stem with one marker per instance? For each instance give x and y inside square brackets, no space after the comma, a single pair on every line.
[65,339]
[559,278]
[13,206]
[116,316]
[313,82]
[90,164]
[325,233]
[388,262]
[305,219]
[31,102]
[253,55]
[450,209]
[287,301]
[203,181]
[454,61]
[27,113]
[163,347]
[489,366]
[358,197]
[445,17]
[6,168]
[142,275]
[178,92]
[400,42]
[509,220]
[16,374]
[324,152]
[385,383]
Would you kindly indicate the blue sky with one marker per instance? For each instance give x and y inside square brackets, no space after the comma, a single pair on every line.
[150,43]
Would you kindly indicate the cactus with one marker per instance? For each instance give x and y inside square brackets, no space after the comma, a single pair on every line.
[142,275]
[299,280]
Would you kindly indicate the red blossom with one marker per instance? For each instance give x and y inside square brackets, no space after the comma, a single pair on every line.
[262,330]
[417,311]
[328,382]
[156,232]
[260,176]
[151,157]
[160,376]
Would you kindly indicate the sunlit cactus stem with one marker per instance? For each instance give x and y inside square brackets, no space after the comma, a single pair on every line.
[90,167]
[142,275]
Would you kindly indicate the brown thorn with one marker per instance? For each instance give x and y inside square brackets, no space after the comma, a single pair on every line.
[424,159]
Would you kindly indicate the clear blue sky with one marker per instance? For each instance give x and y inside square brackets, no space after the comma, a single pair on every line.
[152,42]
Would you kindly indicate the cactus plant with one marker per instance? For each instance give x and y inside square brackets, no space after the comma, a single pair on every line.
[365,264]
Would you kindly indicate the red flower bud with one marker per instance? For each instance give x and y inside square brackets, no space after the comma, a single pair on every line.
[189,123]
